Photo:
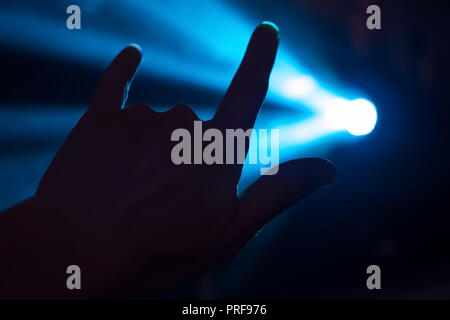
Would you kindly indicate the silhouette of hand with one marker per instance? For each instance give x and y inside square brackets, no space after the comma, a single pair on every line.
[113,202]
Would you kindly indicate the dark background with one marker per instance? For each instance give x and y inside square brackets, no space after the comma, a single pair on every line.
[389,206]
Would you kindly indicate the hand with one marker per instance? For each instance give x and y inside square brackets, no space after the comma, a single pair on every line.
[113,202]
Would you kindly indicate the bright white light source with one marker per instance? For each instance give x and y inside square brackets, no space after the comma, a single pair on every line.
[358,116]
[299,87]
[362,117]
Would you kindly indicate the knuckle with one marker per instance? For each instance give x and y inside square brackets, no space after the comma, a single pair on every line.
[140,108]
[184,110]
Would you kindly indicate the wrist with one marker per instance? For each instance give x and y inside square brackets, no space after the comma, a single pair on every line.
[32,241]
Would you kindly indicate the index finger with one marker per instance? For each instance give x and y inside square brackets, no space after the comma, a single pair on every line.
[248,88]
[112,90]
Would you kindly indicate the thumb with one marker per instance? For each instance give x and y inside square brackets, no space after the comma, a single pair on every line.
[272,194]
[111,92]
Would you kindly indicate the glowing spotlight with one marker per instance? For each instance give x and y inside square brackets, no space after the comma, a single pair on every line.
[362,117]
[299,87]
[358,116]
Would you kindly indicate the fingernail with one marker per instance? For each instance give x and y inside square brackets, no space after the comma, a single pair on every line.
[273,25]
[137,48]
[328,172]
[322,172]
